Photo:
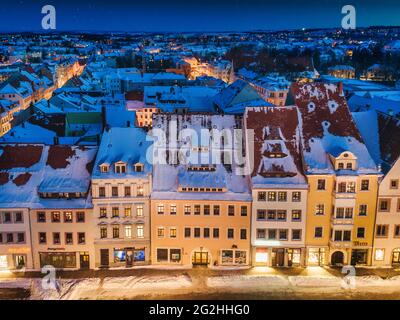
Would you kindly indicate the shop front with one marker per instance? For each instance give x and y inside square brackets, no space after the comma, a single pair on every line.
[316,256]
[59,260]
[234,257]
[278,257]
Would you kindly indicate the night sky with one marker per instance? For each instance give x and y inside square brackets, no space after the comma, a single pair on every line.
[189,15]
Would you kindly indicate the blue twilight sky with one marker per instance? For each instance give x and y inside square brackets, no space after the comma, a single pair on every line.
[191,15]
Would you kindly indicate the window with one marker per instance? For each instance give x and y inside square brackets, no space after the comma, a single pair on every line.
[394,184]
[230,233]
[349,166]
[382,230]
[140,191]
[187,232]
[55,216]
[127,191]
[139,211]
[120,168]
[281,215]
[197,232]
[283,234]
[41,216]
[42,238]
[349,213]
[363,208]
[140,231]
[175,255]
[379,254]
[320,210]
[68,238]
[10,237]
[162,255]
[102,192]
[114,191]
[282,196]
[384,205]
[160,232]
[231,210]
[206,210]
[216,233]
[271,196]
[104,168]
[127,212]
[318,232]
[296,234]
[338,235]
[271,215]
[103,232]
[206,232]
[243,234]
[172,232]
[321,184]
[81,238]
[261,214]
[128,231]
[103,212]
[115,231]
[261,196]
[364,185]
[346,235]
[342,187]
[339,213]
[296,215]
[68,216]
[20,237]
[160,209]
[216,210]
[296,196]
[360,232]
[18,218]
[341,165]
[187,210]
[80,216]
[260,233]
[243,211]
[197,209]
[397,231]
[56,238]
[351,187]
[115,212]
[271,234]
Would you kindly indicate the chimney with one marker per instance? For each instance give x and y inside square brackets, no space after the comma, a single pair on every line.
[128,123]
[340,87]
[56,141]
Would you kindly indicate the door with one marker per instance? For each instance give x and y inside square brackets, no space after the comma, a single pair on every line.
[20,261]
[129,257]
[84,260]
[396,257]
[200,258]
[104,258]
[278,257]
[337,258]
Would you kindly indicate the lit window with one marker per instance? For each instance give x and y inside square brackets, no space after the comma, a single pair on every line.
[128,231]
[379,254]
[140,231]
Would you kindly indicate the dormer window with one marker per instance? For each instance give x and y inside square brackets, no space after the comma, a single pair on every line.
[120,167]
[104,168]
[341,165]
[139,167]
[349,166]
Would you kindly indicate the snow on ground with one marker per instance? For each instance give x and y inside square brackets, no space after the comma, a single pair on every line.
[315,281]
[245,281]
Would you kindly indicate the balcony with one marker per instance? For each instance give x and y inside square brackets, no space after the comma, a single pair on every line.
[342,221]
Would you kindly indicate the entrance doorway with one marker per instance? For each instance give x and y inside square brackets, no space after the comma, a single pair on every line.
[396,257]
[200,258]
[104,258]
[337,258]
[294,257]
[19,261]
[278,257]
[84,260]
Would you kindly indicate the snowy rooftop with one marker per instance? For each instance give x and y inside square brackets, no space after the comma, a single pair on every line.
[200,169]
[277,154]
[27,169]
[328,128]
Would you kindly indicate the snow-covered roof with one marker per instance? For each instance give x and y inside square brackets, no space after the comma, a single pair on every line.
[328,127]
[27,169]
[128,145]
[169,178]
[277,144]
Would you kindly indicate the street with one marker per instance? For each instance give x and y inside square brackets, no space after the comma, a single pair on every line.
[211,284]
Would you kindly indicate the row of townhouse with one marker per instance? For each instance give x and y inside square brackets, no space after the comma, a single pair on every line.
[282,186]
